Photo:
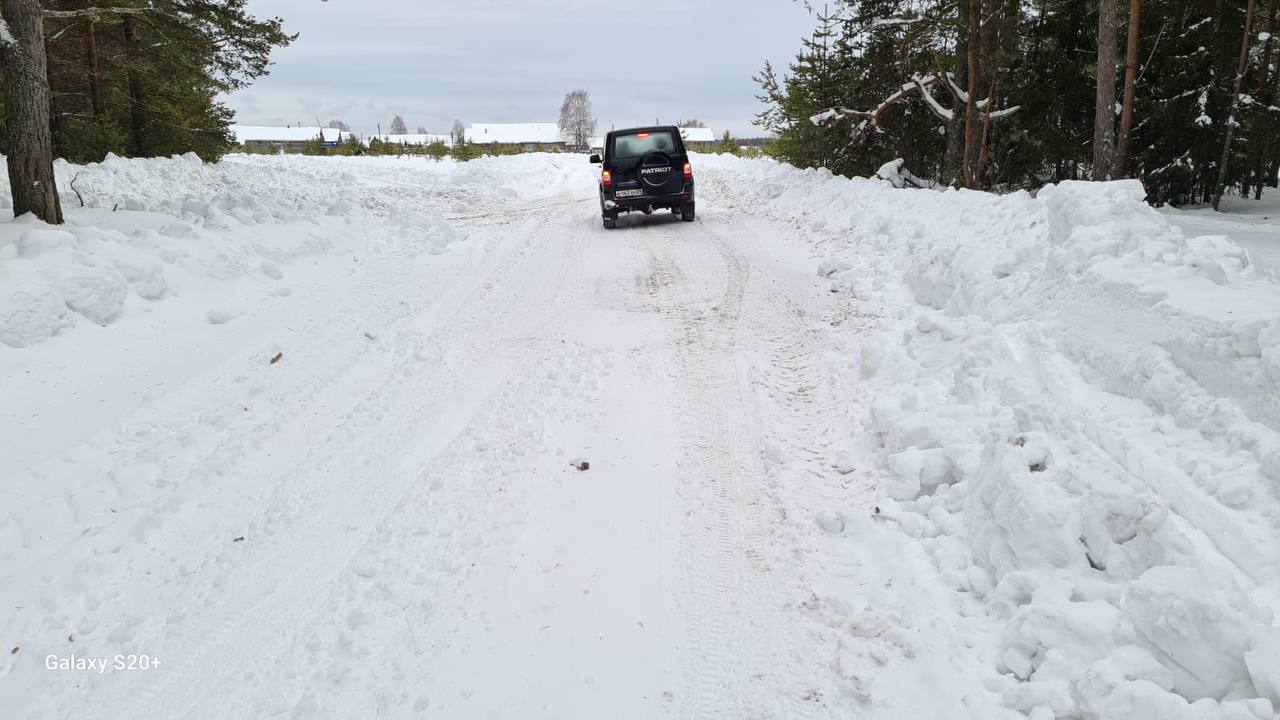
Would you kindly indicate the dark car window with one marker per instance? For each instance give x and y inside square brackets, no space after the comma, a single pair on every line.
[637,144]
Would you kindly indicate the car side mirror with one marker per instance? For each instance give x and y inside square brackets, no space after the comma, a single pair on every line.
[595,158]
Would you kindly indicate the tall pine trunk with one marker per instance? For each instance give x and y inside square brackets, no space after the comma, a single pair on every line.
[1241,66]
[95,80]
[953,162]
[1259,149]
[137,102]
[26,78]
[985,143]
[1104,126]
[1120,168]
[971,91]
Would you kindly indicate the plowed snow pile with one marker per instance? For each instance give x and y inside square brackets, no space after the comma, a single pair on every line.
[1070,411]
[1077,409]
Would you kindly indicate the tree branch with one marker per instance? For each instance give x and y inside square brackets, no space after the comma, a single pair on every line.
[97,13]
[920,84]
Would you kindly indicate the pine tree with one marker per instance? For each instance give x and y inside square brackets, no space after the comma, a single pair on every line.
[1130,88]
[807,90]
[727,145]
[1104,119]
[30,156]
[1004,94]
[1242,67]
[145,77]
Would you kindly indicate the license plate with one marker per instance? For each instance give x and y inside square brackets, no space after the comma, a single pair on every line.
[629,193]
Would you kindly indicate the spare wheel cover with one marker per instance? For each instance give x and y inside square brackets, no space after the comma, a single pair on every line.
[655,169]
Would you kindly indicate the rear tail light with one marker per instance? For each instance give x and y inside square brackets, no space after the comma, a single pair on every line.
[688,171]
[606,178]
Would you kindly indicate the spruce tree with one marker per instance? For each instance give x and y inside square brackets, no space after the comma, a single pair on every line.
[1005,94]
[146,77]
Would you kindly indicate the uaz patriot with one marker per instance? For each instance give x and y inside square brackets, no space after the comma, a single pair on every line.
[645,169]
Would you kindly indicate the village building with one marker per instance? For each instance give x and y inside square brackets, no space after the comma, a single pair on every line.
[529,136]
[698,138]
[285,139]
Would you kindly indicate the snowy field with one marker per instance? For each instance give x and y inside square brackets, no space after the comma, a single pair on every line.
[381,438]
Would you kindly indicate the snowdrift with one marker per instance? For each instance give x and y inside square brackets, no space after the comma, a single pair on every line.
[152,229]
[1078,411]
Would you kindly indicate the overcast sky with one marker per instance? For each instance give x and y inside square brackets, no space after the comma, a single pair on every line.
[365,61]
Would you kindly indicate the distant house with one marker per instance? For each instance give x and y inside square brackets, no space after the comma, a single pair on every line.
[698,138]
[285,139]
[529,136]
[597,145]
[415,139]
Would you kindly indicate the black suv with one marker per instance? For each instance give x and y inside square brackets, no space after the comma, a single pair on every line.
[645,169]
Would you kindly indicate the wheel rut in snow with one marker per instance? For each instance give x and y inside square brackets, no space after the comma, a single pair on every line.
[321,510]
[734,653]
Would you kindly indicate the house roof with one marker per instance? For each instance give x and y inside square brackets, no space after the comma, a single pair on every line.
[413,139]
[515,133]
[699,134]
[266,133]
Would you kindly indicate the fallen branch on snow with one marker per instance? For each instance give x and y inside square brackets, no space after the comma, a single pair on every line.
[896,173]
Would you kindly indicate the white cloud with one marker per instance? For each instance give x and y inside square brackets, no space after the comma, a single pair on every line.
[507,60]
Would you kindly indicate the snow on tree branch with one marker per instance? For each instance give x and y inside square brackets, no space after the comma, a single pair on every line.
[97,12]
[917,84]
[1002,114]
[873,116]
[893,22]
[943,114]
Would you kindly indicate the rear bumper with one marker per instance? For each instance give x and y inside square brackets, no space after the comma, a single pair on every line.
[641,202]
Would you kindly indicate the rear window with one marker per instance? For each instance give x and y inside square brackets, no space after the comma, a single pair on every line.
[637,144]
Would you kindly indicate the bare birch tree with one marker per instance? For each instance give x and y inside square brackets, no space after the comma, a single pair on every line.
[577,124]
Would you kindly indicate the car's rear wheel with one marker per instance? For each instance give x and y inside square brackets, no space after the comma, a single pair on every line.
[610,221]
[686,212]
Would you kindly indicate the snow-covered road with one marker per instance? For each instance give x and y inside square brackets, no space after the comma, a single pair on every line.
[371,438]
[388,521]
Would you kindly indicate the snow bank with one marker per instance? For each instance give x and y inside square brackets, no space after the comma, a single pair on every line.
[1083,406]
[155,229]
